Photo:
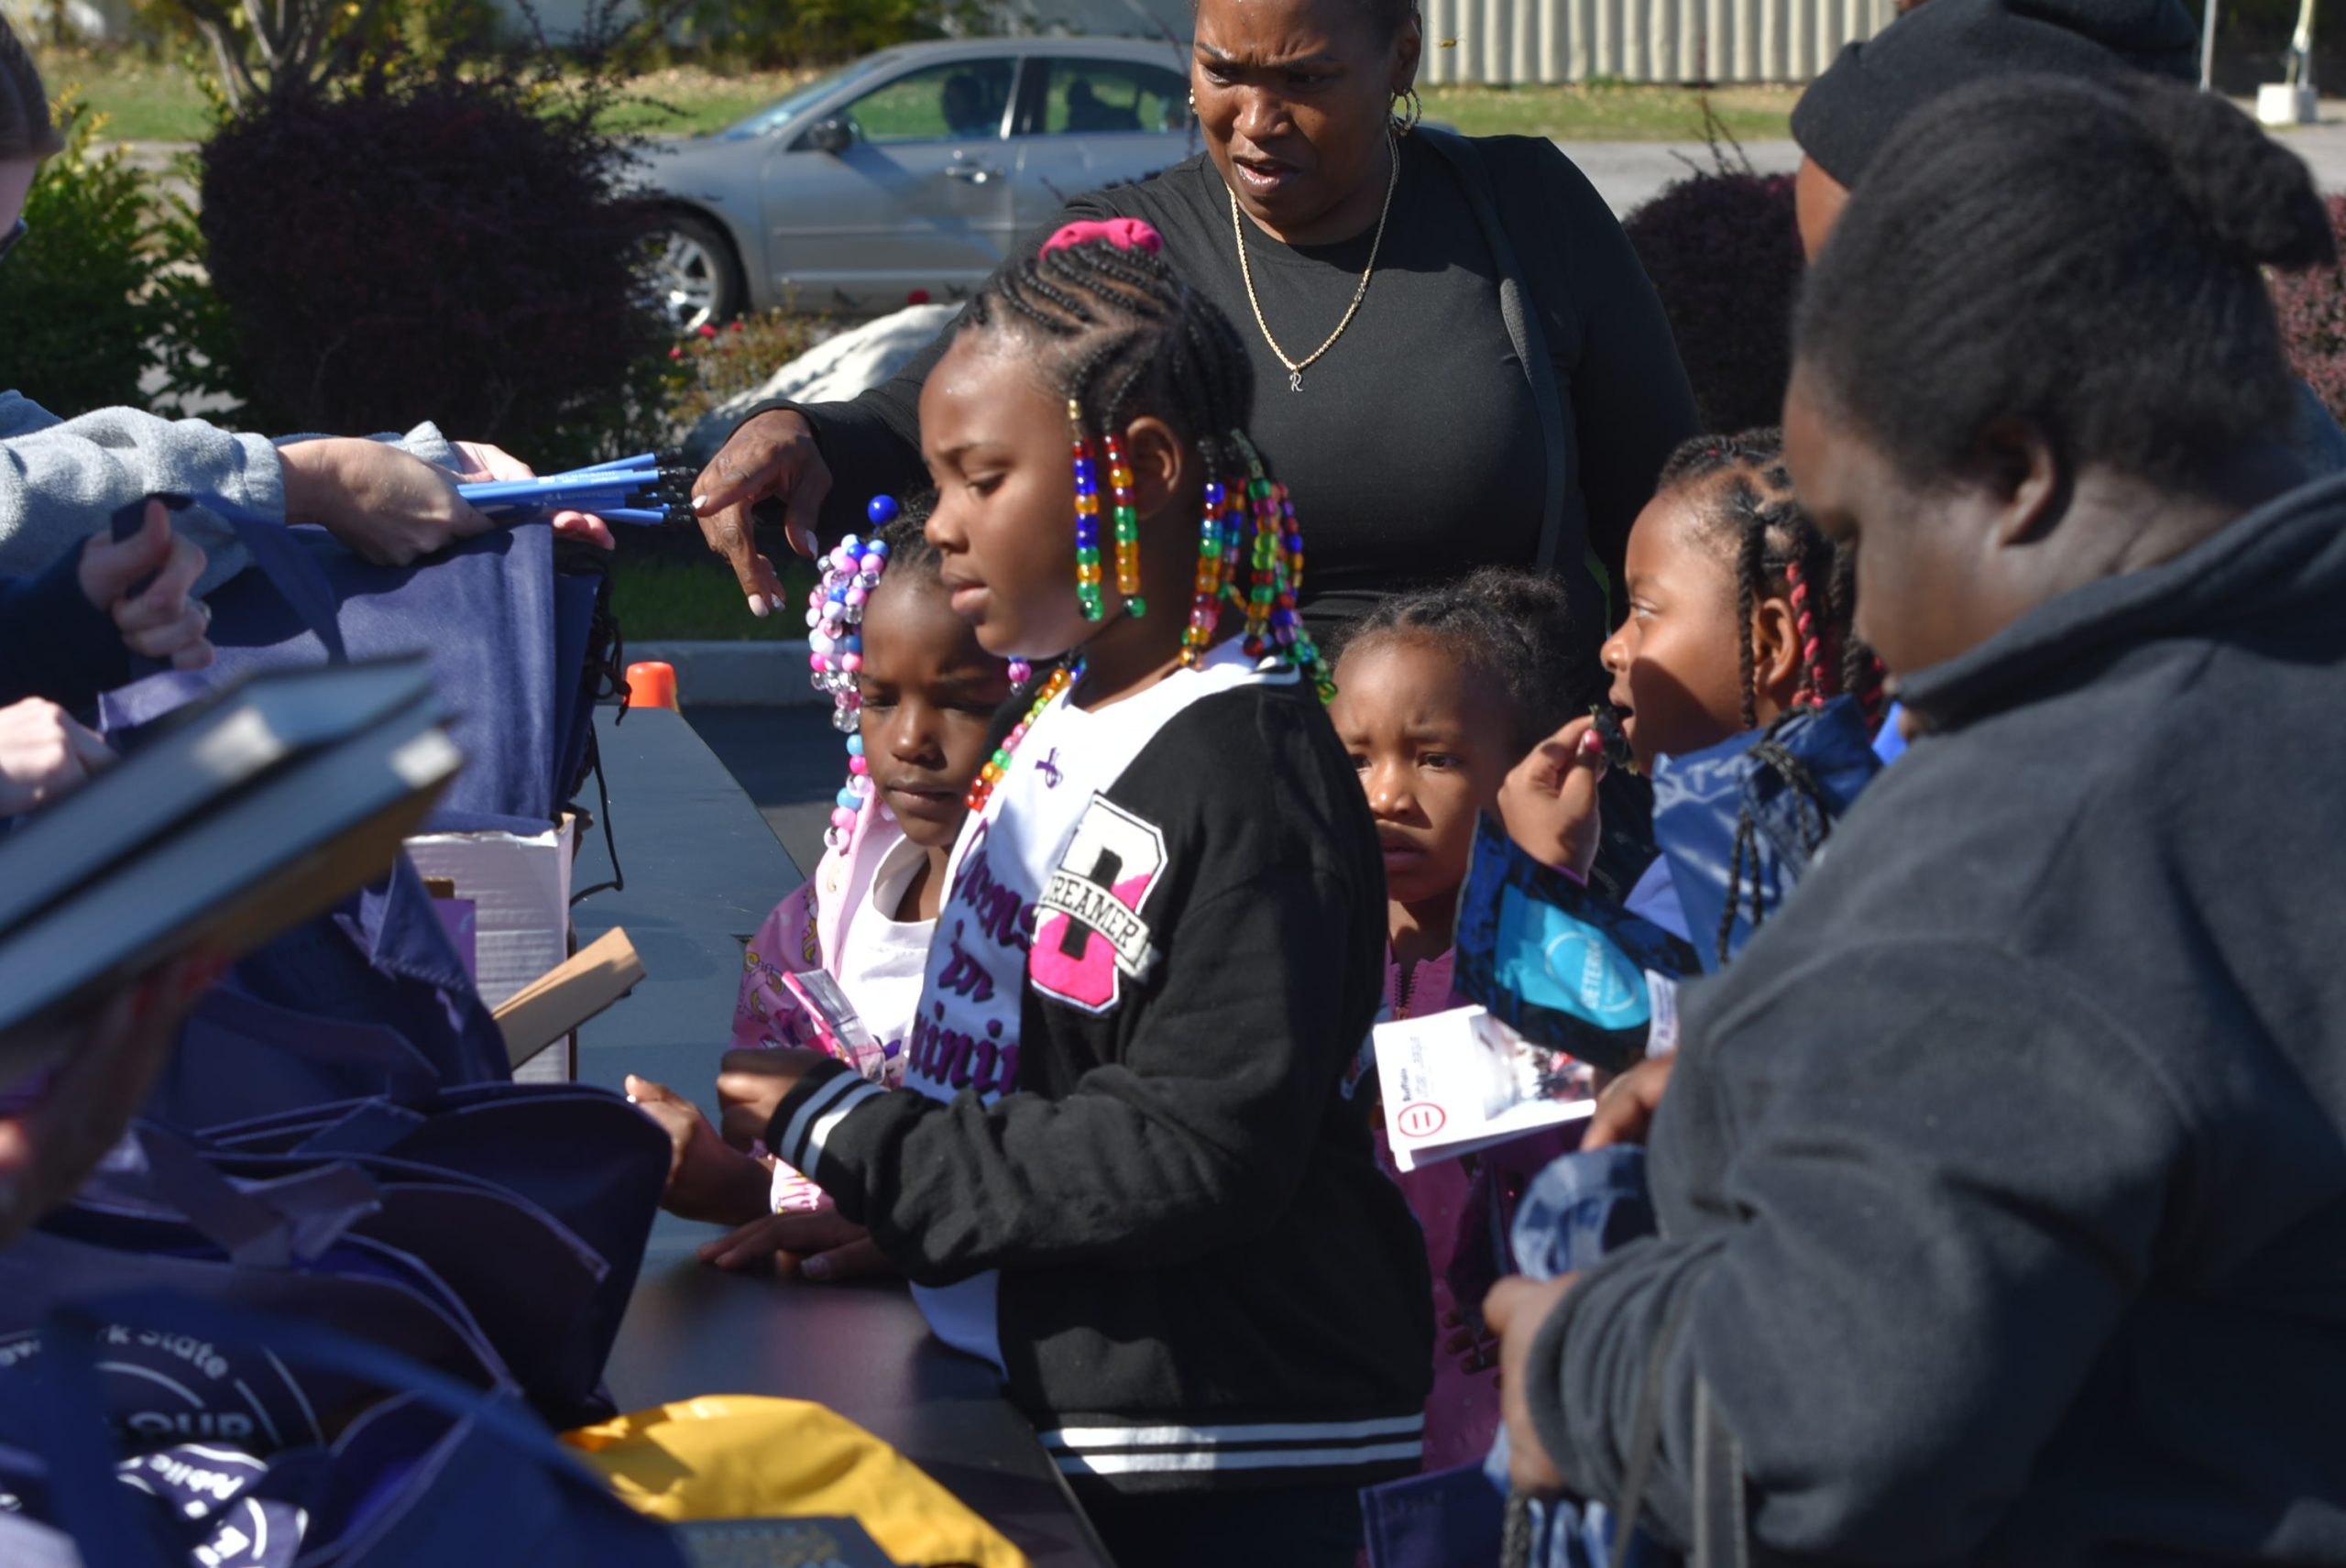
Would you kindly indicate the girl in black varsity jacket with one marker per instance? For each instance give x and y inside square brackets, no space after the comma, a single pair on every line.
[1128,1176]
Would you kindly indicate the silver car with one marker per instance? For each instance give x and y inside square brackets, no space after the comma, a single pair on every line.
[909,172]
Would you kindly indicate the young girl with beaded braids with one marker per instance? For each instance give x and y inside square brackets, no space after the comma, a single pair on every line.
[1129,1176]
[916,695]
[1740,610]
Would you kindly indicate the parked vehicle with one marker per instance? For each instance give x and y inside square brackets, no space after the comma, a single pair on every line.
[909,172]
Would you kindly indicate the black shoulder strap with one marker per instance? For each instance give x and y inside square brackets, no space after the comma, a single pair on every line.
[1522,326]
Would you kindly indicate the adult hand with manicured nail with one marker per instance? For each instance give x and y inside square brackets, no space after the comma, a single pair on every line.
[771,456]
[143,582]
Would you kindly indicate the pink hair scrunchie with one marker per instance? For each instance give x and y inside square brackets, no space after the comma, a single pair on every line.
[1124,234]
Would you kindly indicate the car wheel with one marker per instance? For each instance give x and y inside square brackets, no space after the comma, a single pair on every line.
[696,278]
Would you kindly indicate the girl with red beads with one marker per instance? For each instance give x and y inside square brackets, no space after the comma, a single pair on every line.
[1129,1177]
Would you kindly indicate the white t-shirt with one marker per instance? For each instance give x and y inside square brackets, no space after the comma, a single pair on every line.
[880,968]
[885,959]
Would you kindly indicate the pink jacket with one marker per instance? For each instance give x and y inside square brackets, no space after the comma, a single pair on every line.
[808,930]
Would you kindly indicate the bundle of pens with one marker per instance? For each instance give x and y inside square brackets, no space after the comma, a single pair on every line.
[652,488]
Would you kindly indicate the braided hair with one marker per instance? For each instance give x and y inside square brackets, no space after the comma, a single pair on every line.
[1123,335]
[909,552]
[1510,626]
[1743,496]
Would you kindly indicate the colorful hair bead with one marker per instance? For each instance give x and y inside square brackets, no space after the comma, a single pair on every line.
[1087,518]
[1205,608]
[1126,518]
[835,653]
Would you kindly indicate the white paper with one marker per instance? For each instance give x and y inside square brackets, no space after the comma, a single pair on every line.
[520,892]
[1459,1081]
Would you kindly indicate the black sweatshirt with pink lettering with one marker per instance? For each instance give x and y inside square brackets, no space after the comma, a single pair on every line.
[1129,1176]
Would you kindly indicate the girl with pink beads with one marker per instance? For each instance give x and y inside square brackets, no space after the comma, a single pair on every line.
[915,693]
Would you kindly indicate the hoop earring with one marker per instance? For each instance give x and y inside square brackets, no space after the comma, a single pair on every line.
[1414,110]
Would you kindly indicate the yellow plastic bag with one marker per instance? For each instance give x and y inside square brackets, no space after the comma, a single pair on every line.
[727,1456]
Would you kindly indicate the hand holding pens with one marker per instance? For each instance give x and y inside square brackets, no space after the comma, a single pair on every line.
[648,489]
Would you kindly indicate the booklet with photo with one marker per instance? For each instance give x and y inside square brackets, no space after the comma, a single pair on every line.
[1458,1082]
[252,811]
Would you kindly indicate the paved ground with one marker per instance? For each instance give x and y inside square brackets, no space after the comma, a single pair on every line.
[790,762]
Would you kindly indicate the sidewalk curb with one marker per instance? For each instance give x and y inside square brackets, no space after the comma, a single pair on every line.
[734,675]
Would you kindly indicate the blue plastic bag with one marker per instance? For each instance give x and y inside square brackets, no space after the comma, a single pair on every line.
[1740,822]
[1562,966]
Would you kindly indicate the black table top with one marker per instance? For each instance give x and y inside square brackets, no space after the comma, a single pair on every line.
[703,870]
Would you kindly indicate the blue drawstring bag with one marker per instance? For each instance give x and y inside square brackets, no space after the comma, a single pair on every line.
[1740,822]
[1562,966]
[585,1156]
[156,1218]
[431,1472]
[511,643]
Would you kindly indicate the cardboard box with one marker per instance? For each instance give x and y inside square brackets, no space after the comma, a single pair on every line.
[520,890]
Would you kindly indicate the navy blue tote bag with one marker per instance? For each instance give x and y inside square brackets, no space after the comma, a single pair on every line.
[432,1472]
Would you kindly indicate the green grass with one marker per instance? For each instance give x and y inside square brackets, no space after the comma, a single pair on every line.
[1612,113]
[152,101]
[661,602]
[143,100]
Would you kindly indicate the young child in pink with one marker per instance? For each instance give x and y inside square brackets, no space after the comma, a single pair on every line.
[1438,694]
[916,693]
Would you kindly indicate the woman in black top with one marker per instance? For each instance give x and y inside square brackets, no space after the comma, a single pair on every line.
[1414,444]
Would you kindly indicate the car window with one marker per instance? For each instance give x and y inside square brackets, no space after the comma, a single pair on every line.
[775,116]
[959,101]
[1089,96]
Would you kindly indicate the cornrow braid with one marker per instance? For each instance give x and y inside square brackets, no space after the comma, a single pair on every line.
[1742,493]
[1124,337]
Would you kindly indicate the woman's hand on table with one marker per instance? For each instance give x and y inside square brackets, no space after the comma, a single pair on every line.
[161,618]
[1515,1310]
[706,1181]
[817,1245]
[769,457]
[482,461]
[751,1086]
[44,755]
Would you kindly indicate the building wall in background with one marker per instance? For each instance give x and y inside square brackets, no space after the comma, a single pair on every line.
[1507,42]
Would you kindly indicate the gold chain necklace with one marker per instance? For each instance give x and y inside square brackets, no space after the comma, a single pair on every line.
[1295,367]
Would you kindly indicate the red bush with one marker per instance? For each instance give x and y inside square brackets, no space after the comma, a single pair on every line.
[2312,309]
[1723,250]
[431,249]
